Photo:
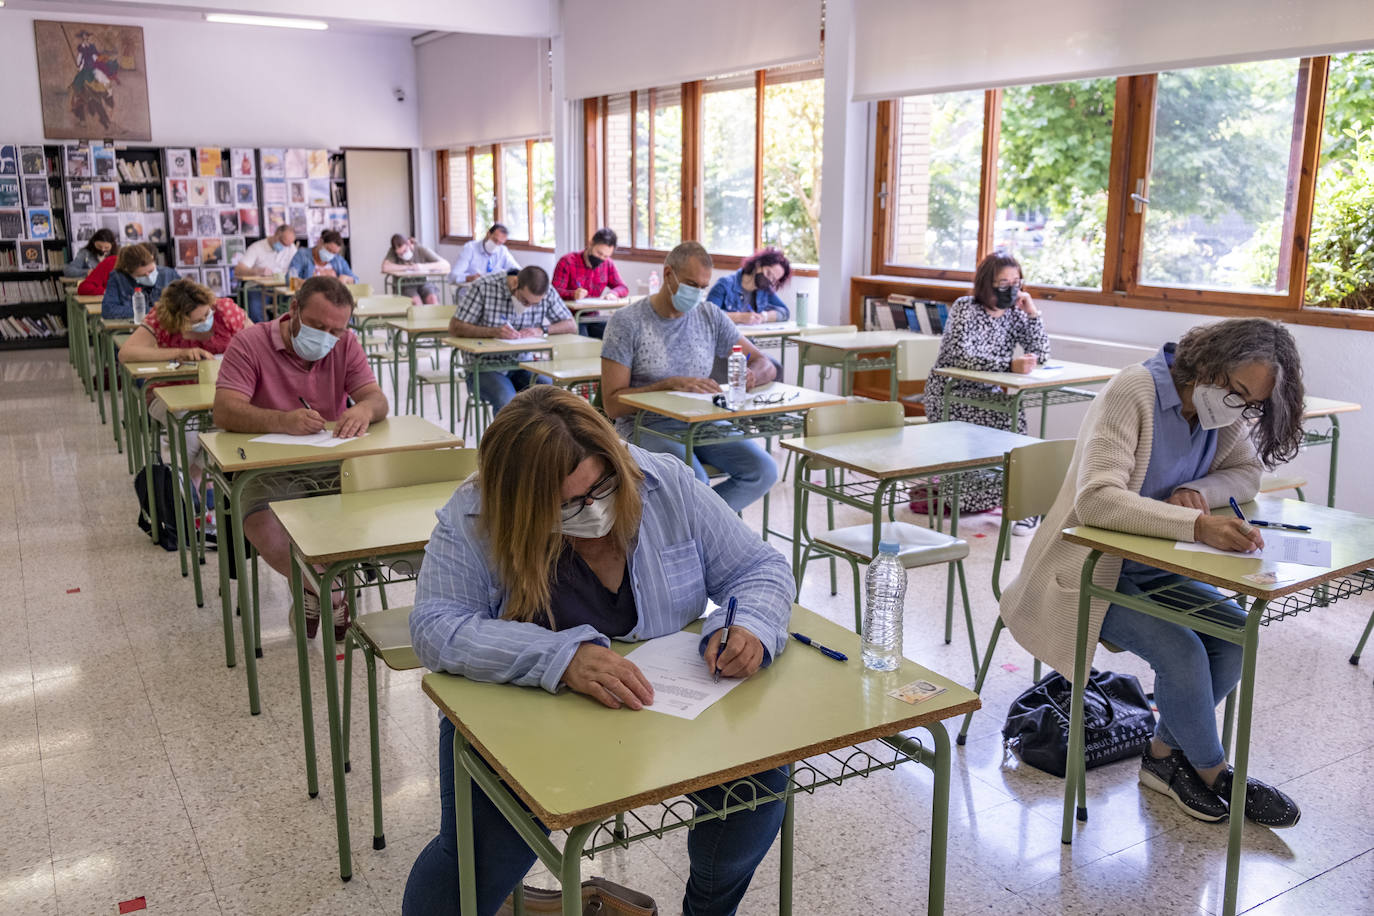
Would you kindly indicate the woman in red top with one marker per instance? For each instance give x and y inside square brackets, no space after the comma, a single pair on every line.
[94,284]
[187,324]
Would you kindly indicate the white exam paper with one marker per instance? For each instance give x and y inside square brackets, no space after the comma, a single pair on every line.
[700,395]
[322,439]
[675,668]
[1047,372]
[1278,547]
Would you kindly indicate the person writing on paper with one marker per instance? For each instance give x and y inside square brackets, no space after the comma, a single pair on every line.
[101,245]
[982,332]
[269,257]
[749,295]
[410,262]
[565,539]
[508,307]
[483,256]
[670,341]
[324,260]
[135,267]
[292,376]
[591,274]
[1164,443]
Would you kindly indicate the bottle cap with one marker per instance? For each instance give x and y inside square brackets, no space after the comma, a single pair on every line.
[891,547]
[738,349]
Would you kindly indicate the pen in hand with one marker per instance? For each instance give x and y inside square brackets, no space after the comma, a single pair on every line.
[305,403]
[724,637]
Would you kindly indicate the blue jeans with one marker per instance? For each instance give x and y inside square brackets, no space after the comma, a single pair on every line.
[1193,671]
[723,853]
[255,306]
[752,470]
[499,387]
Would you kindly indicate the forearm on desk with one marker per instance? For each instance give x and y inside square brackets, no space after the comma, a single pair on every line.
[463,329]
[239,416]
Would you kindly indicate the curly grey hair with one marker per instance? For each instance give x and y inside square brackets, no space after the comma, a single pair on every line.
[1211,353]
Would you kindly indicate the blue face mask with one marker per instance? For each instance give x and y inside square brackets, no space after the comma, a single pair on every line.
[278,247]
[325,255]
[148,280]
[312,344]
[687,297]
[205,325]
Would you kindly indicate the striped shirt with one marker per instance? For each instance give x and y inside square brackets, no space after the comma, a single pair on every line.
[690,547]
[490,303]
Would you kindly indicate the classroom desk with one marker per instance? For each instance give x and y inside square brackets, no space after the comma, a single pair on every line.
[491,354]
[1301,589]
[550,751]
[779,410]
[107,328]
[263,284]
[391,283]
[78,336]
[88,308]
[188,406]
[375,312]
[884,459]
[591,311]
[1059,389]
[413,332]
[344,532]
[566,373]
[233,461]
[1317,408]
[858,351]
[135,377]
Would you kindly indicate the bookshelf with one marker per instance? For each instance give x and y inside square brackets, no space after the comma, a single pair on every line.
[33,234]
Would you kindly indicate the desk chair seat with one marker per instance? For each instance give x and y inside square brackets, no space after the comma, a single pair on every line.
[436,377]
[1277,483]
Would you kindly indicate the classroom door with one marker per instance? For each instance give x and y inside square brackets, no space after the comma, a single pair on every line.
[379,204]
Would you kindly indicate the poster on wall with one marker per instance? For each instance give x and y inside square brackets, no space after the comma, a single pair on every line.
[92,80]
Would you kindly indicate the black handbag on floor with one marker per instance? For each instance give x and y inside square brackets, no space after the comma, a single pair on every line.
[165,502]
[1117,721]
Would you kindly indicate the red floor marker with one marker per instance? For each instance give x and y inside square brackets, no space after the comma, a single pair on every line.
[980,535]
[133,906]
[339,657]
[73,591]
[1010,668]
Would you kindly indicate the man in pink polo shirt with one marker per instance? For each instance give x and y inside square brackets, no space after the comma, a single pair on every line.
[292,376]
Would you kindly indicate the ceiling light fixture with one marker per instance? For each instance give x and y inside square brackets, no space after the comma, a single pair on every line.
[271,21]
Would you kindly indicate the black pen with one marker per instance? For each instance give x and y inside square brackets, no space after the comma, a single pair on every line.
[827,652]
[305,403]
[724,636]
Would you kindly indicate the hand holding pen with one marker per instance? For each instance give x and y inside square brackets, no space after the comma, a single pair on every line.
[733,651]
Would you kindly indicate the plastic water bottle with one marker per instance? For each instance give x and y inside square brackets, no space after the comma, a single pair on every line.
[654,282]
[737,372]
[885,600]
[140,306]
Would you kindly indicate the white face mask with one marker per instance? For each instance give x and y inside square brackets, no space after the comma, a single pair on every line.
[1212,410]
[490,246]
[405,255]
[594,521]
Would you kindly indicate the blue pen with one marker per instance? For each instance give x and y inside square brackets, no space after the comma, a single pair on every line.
[1236,509]
[725,635]
[1285,527]
[827,652]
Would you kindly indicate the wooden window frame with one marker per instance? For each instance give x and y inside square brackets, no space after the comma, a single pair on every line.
[446,235]
[1131,149]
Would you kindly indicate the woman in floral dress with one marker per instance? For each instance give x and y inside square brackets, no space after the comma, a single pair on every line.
[982,333]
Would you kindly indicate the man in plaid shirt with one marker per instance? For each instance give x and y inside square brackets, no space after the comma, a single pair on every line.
[509,306]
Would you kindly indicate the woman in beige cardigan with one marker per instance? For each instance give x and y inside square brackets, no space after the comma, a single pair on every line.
[1167,441]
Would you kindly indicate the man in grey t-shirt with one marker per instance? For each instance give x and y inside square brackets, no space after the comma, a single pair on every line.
[670,342]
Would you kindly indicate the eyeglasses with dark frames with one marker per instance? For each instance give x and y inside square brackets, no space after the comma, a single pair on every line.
[600,490]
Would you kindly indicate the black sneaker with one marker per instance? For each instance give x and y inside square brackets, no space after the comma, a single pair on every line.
[1264,804]
[1175,777]
[1025,527]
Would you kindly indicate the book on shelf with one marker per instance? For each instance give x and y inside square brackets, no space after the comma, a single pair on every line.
[136,171]
[103,158]
[32,161]
[9,159]
[78,161]
[147,200]
[10,195]
[179,163]
[31,255]
[39,223]
[241,163]
[81,197]
[22,327]
[37,192]
[11,223]
[27,255]
[16,292]
[210,162]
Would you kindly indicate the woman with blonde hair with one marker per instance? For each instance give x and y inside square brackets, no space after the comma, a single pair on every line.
[565,539]
[135,268]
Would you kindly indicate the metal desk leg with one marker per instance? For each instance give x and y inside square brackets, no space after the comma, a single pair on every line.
[112,375]
[689,441]
[1335,446]
[247,610]
[221,485]
[785,857]
[186,494]
[939,819]
[453,392]
[1241,763]
[331,698]
[480,419]
[410,382]
[312,779]
[179,504]
[462,809]
[1074,766]
[149,446]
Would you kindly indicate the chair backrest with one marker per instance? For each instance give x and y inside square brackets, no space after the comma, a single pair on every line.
[361,290]
[379,301]
[1034,475]
[582,348]
[916,357]
[430,312]
[856,416]
[208,371]
[406,469]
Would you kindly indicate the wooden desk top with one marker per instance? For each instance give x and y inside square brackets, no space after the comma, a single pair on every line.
[1325,407]
[597,305]
[395,434]
[266,282]
[1072,374]
[771,329]
[858,341]
[1351,537]
[421,328]
[117,324]
[479,346]
[345,526]
[89,301]
[678,406]
[383,309]
[161,369]
[911,451]
[566,371]
[186,397]
[551,749]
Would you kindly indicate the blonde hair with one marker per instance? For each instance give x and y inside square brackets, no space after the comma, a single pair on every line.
[178,300]
[131,257]
[534,443]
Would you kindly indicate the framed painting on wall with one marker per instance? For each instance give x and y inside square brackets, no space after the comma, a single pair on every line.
[92,80]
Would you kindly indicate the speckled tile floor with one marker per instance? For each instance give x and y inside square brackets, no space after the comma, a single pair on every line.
[129,766]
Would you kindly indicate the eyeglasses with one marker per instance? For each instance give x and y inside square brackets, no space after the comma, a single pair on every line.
[600,490]
[759,400]
[1251,411]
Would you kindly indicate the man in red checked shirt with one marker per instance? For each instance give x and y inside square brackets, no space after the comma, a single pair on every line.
[590,274]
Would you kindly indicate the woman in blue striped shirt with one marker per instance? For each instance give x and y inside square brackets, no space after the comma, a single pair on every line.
[565,539]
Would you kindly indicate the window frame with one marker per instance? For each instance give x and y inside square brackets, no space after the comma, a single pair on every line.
[596,148]
[441,161]
[1131,148]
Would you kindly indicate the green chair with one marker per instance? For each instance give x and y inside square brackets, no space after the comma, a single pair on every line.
[386,633]
[379,350]
[1032,476]
[854,544]
[434,375]
[1273,483]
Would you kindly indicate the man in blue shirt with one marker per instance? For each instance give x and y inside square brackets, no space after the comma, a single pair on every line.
[483,256]
[324,260]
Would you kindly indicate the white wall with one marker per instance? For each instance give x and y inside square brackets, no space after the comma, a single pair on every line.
[240,86]
[478,89]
